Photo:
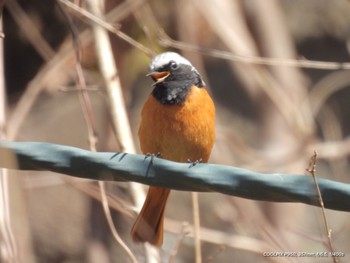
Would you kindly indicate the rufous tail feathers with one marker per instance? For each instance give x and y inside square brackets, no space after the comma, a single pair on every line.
[148,226]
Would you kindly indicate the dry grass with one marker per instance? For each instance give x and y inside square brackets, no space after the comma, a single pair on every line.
[274,107]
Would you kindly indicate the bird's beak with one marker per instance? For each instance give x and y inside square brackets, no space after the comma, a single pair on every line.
[159,76]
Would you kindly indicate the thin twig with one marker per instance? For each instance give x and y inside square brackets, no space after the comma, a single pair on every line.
[9,243]
[216,253]
[107,26]
[118,111]
[111,80]
[3,101]
[325,88]
[84,97]
[166,41]
[230,240]
[197,226]
[61,63]
[179,239]
[312,170]
[92,190]
[111,225]
[147,22]
[89,118]
[117,107]
[8,238]
[30,30]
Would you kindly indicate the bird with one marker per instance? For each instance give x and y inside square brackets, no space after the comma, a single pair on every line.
[177,122]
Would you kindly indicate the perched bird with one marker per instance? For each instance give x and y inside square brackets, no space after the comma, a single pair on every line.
[177,121]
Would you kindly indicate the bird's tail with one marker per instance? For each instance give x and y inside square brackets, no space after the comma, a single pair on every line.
[148,226]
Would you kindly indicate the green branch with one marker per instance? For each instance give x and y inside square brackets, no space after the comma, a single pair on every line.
[180,176]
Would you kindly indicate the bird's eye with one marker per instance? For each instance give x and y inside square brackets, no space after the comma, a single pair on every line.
[173,65]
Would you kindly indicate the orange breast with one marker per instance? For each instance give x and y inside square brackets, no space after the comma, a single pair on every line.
[179,132]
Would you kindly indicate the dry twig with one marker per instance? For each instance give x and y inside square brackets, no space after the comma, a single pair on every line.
[30,30]
[9,244]
[197,226]
[312,170]
[97,20]
[88,114]
[166,41]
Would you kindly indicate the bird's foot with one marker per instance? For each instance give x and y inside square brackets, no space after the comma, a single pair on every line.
[153,155]
[192,164]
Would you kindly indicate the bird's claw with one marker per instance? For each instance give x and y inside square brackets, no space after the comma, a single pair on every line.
[192,164]
[152,156]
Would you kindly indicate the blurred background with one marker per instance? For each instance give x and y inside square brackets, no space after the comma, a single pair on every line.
[270,118]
